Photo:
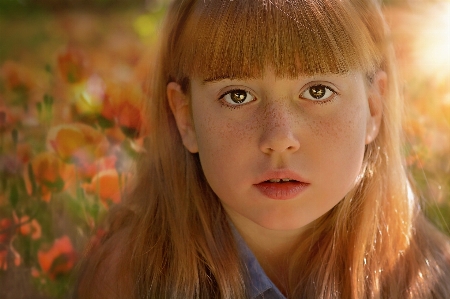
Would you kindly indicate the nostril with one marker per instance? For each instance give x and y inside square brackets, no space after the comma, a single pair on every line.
[278,140]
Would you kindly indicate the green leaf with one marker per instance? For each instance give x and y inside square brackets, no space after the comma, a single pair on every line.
[95,210]
[104,123]
[14,195]
[3,181]
[15,136]
[57,185]
[39,107]
[128,148]
[48,68]
[130,132]
[80,193]
[48,101]
[72,77]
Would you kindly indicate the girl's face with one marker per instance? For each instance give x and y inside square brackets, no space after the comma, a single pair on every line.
[279,152]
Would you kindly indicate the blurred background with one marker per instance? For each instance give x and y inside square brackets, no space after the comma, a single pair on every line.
[73,75]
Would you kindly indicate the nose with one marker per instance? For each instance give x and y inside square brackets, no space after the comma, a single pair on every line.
[278,134]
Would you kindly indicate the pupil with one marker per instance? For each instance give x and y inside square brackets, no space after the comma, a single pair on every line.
[238,96]
[317,91]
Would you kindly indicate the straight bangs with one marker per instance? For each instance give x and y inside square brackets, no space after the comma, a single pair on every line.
[240,38]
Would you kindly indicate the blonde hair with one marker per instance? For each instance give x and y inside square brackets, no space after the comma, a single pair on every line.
[173,236]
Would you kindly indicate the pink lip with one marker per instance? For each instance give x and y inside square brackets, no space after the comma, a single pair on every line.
[282,190]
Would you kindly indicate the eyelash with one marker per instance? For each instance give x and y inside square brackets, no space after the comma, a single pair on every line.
[230,106]
[328,100]
[316,102]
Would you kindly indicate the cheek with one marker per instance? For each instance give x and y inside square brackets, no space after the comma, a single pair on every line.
[343,128]
[223,145]
[337,144]
[217,135]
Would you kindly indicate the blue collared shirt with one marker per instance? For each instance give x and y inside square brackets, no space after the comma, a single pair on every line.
[259,285]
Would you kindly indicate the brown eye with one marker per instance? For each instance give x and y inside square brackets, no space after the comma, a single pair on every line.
[318,92]
[237,97]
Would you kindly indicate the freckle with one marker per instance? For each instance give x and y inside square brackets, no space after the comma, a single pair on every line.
[321,128]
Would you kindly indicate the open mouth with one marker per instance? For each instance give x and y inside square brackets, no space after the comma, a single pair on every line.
[281,188]
[286,180]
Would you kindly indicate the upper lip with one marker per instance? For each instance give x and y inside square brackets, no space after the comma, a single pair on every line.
[281,174]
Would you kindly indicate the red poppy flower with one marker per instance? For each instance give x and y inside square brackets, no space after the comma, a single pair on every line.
[59,259]
[72,65]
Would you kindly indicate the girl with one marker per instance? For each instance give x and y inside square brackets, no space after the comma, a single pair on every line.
[274,167]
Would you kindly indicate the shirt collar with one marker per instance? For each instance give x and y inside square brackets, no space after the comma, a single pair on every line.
[259,285]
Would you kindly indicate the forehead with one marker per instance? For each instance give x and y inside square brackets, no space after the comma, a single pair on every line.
[241,38]
[269,80]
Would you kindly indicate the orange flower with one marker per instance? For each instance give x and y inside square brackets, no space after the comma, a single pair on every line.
[17,78]
[23,152]
[72,65]
[129,116]
[88,170]
[35,272]
[50,174]
[3,259]
[59,259]
[28,228]
[5,231]
[107,184]
[78,143]
[123,105]
[6,239]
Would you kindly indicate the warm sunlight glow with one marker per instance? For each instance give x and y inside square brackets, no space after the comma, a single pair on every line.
[432,46]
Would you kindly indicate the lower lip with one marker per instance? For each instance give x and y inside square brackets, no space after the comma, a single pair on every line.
[281,191]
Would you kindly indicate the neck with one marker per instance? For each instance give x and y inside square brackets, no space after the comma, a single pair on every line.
[273,254]
[272,248]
